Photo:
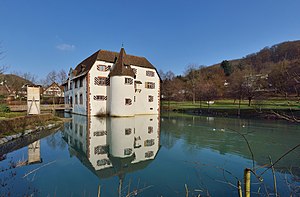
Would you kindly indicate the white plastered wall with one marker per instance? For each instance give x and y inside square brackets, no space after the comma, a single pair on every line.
[98,107]
[142,105]
[79,108]
[119,92]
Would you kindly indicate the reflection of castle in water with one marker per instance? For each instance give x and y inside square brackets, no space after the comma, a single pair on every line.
[113,146]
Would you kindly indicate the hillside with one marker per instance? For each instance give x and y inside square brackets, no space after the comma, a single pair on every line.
[264,61]
[11,82]
[272,72]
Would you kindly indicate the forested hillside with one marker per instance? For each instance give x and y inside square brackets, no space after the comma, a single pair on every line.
[10,83]
[272,72]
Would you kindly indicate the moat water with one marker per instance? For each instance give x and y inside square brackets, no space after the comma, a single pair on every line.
[165,155]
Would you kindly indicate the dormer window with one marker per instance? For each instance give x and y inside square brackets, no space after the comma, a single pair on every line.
[149,73]
[101,67]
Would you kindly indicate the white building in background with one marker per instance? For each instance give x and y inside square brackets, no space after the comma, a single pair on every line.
[54,90]
[115,84]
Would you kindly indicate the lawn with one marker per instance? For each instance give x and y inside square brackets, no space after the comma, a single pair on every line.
[230,104]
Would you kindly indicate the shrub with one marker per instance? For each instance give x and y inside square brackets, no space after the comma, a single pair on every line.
[4,108]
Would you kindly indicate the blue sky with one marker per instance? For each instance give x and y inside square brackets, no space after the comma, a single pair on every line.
[41,36]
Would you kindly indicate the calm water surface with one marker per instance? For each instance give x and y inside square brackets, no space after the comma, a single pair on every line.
[154,156]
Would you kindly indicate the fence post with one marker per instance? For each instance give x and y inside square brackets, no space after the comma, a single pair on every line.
[247,182]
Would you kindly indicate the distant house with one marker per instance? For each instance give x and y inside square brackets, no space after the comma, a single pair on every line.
[111,83]
[54,90]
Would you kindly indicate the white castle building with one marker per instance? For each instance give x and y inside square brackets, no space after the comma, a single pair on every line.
[115,84]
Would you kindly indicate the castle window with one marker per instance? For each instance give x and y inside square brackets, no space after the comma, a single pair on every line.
[100,98]
[149,73]
[149,142]
[149,85]
[103,162]
[76,99]
[150,129]
[128,131]
[80,130]
[134,70]
[100,150]
[80,99]
[100,133]
[127,151]
[75,82]
[150,98]
[128,101]
[128,81]
[101,68]
[100,81]
[107,81]
[107,68]
[76,128]
[80,82]
[149,154]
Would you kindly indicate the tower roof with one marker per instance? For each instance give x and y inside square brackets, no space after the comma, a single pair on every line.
[120,68]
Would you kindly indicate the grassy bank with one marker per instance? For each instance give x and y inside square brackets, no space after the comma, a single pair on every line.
[4,115]
[262,108]
[231,104]
[9,126]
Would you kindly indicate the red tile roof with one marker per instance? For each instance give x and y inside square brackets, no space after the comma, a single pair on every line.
[112,57]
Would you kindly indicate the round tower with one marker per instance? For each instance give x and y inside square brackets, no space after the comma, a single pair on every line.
[121,137]
[121,88]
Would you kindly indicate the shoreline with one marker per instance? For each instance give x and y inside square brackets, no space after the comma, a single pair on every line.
[21,127]
[233,113]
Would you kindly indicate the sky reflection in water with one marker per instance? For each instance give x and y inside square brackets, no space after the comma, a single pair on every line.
[152,156]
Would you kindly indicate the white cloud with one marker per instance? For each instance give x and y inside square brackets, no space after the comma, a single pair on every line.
[65,47]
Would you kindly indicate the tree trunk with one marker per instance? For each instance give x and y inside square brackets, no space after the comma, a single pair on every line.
[194,98]
[200,107]
[239,110]
[249,103]
[208,106]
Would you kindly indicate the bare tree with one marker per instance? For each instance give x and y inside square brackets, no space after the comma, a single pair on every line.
[235,88]
[209,92]
[61,76]
[2,68]
[27,75]
[191,74]
[51,77]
